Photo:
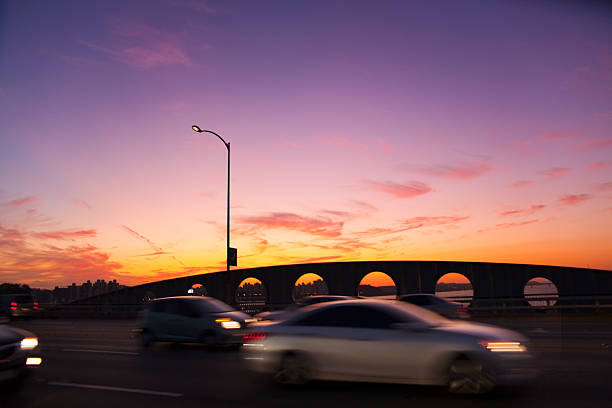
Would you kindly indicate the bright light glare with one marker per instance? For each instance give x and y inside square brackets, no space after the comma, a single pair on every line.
[228,323]
[504,346]
[196,128]
[34,361]
[29,343]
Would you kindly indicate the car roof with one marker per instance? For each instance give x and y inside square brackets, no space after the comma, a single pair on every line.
[389,305]
[183,298]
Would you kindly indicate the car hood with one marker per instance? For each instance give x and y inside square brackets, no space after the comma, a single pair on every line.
[481,331]
[10,335]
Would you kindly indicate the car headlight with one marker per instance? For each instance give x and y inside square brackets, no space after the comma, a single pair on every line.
[228,323]
[503,346]
[29,343]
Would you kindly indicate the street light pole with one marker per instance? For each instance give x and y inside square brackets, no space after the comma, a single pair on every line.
[197,129]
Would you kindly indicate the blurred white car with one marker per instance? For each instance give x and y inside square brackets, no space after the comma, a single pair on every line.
[277,315]
[452,310]
[191,319]
[386,341]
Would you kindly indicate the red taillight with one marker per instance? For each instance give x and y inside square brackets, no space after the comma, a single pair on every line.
[462,310]
[254,337]
[35,303]
[13,307]
[35,307]
[13,303]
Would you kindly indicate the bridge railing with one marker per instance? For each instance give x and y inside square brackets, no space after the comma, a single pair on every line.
[476,306]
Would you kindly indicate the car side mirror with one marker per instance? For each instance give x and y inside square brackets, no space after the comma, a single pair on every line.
[411,326]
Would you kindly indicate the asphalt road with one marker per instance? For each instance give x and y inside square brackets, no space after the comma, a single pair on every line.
[97,363]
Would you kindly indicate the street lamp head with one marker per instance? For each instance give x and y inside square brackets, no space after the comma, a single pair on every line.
[196,128]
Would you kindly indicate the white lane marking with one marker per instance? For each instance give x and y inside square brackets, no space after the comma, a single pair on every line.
[121,389]
[130,353]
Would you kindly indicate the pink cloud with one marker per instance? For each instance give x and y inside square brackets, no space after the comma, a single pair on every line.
[321,226]
[65,235]
[605,186]
[554,173]
[594,143]
[574,199]
[409,190]
[556,136]
[343,143]
[595,166]
[82,203]
[142,46]
[459,172]
[22,201]
[385,146]
[527,211]
[521,183]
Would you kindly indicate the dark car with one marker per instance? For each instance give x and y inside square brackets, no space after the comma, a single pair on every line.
[436,304]
[18,351]
[192,319]
[18,305]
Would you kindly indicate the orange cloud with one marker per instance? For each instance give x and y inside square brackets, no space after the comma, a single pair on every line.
[156,248]
[419,222]
[527,211]
[409,190]
[65,235]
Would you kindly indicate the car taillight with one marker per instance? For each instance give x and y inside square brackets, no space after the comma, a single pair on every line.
[462,310]
[35,303]
[254,337]
[13,303]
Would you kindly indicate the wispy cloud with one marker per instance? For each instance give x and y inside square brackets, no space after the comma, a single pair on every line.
[19,202]
[321,226]
[156,248]
[343,143]
[561,135]
[605,186]
[593,143]
[554,173]
[420,222]
[516,224]
[463,171]
[65,235]
[82,203]
[142,46]
[409,190]
[599,165]
[524,211]
[521,184]
[574,199]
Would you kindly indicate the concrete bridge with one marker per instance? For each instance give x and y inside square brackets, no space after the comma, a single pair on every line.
[489,280]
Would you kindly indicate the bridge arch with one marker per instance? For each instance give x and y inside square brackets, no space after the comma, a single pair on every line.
[309,284]
[377,284]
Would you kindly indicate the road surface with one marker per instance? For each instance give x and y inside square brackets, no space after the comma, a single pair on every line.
[97,363]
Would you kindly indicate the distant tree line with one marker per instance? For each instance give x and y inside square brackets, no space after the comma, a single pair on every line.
[10,288]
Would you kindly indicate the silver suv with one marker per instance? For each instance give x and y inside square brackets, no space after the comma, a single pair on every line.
[189,319]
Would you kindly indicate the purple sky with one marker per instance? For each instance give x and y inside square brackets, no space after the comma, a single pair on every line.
[460,130]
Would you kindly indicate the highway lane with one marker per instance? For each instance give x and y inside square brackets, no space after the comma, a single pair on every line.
[97,363]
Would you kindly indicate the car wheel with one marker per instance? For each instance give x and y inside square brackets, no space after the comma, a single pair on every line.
[146,339]
[294,369]
[469,376]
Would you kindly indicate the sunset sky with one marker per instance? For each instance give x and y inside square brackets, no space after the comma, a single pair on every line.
[394,130]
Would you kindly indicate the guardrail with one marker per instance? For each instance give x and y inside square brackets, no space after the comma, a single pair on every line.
[476,306]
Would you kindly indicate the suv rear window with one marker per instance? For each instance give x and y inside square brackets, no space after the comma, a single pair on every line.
[24,299]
